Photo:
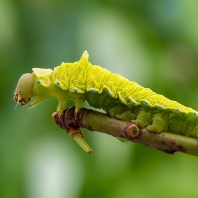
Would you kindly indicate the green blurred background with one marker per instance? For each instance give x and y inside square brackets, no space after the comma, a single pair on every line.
[152,42]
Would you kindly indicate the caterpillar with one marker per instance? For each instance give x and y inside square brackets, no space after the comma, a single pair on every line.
[117,96]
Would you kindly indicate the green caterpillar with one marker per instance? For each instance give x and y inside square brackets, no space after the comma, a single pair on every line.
[119,97]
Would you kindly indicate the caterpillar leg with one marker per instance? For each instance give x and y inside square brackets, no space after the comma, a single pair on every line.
[143,119]
[159,124]
[62,102]
[61,106]
[127,115]
[36,101]
[79,100]
[116,111]
[78,106]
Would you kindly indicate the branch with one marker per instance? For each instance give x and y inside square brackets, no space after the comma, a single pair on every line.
[96,121]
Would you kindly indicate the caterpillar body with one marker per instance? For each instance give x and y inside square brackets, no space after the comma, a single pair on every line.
[117,96]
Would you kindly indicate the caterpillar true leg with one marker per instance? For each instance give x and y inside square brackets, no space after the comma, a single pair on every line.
[159,123]
[36,101]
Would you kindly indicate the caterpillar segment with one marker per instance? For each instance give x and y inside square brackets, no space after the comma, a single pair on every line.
[120,98]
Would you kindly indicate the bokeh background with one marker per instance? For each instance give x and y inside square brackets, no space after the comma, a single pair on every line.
[154,43]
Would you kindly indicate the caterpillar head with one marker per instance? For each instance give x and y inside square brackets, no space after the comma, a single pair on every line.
[24,89]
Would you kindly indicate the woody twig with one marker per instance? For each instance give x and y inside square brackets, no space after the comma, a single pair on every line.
[101,122]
